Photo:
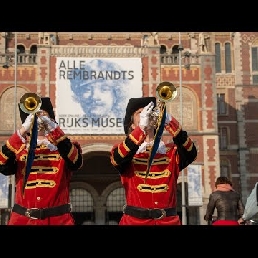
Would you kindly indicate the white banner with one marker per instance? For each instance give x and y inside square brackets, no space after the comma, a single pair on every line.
[92,94]
[194,178]
[3,191]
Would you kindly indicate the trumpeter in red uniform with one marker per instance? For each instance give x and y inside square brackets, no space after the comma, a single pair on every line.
[44,198]
[151,199]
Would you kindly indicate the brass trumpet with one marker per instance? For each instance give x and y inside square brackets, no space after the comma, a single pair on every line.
[30,103]
[166,92]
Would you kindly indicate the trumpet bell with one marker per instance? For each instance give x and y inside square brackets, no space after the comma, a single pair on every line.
[30,103]
[166,91]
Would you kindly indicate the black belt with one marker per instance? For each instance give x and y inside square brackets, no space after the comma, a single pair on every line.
[36,213]
[149,213]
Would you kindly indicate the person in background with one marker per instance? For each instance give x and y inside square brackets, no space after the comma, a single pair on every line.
[251,208]
[150,199]
[44,199]
[226,201]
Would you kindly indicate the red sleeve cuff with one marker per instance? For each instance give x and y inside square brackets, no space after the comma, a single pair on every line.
[137,136]
[15,144]
[173,127]
[56,136]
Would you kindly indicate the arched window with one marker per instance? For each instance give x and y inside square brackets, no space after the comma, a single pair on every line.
[33,52]
[33,49]
[20,54]
[217,58]
[189,109]
[82,206]
[175,49]
[115,203]
[228,63]
[255,64]
[21,49]
[7,107]
[163,49]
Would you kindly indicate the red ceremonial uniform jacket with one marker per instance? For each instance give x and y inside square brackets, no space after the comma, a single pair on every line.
[48,182]
[159,188]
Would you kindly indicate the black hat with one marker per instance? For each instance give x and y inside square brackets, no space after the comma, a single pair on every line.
[45,105]
[133,105]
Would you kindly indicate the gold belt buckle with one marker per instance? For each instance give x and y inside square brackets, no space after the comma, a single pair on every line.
[163,214]
[28,211]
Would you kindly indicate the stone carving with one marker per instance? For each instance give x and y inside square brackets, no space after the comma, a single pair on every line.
[154,38]
[150,40]
[203,42]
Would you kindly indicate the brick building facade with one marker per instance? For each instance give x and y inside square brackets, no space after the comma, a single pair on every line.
[216,75]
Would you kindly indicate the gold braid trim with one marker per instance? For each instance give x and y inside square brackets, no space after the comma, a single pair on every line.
[10,147]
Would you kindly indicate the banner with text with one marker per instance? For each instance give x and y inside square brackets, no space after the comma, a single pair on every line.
[194,179]
[92,94]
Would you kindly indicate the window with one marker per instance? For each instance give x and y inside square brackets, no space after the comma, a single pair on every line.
[254,59]
[163,49]
[217,58]
[33,54]
[20,49]
[221,104]
[175,49]
[255,64]
[255,79]
[82,206]
[224,168]
[20,52]
[33,49]
[115,203]
[223,138]
[175,54]
[228,64]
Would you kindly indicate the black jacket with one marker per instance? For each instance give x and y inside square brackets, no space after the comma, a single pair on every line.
[227,203]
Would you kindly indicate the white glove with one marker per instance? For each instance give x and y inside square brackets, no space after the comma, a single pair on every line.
[145,116]
[168,118]
[28,122]
[48,123]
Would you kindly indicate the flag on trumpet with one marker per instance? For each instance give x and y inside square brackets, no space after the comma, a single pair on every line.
[157,137]
[31,150]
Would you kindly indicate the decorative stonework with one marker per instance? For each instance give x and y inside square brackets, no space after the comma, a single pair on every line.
[225,81]
[7,113]
[189,109]
[93,51]
[248,38]
[96,137]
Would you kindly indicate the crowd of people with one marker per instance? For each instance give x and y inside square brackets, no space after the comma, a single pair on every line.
[44,159]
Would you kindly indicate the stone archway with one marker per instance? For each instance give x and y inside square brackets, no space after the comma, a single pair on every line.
[9,109]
